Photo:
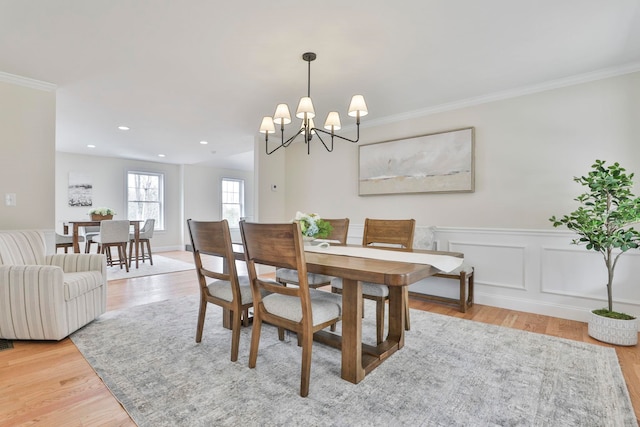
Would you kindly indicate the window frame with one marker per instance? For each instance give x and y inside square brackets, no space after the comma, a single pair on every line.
[242,202]
[160,222]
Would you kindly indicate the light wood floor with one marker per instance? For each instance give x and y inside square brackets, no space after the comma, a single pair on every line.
[50,383]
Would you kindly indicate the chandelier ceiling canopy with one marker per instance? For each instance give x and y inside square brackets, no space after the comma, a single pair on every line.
[306,112]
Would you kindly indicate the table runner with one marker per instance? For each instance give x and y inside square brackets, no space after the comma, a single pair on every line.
[445,263]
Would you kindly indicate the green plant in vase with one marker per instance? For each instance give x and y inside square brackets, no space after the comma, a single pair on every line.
[312,226]
[604,221]
[102,211]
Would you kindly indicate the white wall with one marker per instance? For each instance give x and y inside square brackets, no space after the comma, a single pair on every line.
[27,151]
[527,150]
[270,171]
[202,193]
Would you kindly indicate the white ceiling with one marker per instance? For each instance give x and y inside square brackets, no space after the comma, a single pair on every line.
[178,72]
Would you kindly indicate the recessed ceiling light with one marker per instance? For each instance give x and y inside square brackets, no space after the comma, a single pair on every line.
[204,142]
[124,127]
[91,146]
[161,155]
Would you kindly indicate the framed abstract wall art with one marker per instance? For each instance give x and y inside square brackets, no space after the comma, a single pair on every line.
[440,162]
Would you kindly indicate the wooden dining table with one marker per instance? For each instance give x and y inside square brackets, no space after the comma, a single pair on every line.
[359,359]
[75,225]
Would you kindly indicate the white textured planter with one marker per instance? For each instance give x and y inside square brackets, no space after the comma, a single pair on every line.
[613,331]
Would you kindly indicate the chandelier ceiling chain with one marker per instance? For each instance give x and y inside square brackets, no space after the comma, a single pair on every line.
[306,112]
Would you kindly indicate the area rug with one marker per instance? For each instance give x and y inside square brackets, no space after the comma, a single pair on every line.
[161,265]
[451,372]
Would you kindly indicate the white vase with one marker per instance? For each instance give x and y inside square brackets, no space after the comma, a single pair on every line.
[613,331]
[308,239]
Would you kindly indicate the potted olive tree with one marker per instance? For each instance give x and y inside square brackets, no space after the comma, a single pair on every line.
[604,223]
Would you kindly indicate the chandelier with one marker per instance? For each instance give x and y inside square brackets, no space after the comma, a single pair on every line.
[305,111]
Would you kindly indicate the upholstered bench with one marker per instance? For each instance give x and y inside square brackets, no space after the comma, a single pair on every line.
[47,297]
[463,275]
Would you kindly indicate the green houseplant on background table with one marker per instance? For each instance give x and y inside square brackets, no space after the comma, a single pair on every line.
[604,223]
[99,214]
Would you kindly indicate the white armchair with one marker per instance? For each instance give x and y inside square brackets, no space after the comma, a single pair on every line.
[47,297]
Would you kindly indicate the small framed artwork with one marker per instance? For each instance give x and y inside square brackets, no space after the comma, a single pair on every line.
[440,162]
[80,189]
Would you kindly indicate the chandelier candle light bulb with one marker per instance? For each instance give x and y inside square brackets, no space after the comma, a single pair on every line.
[282,115]
[333,121]
[306,112]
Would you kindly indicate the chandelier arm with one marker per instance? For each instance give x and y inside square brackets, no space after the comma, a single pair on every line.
[290,140]
[323,143]
[341,137]
[283,144]
[266,140]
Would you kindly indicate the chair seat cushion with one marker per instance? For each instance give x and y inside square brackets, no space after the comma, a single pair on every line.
[368,289]
[65,239]
[79,283]
[222,289]
[325,306]
[291,276]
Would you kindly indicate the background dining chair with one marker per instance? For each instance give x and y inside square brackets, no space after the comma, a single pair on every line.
[65,241]
[211,242]
[297,309]
[396,234]
[114,233]
[338,236]
[89,233]
[144,236]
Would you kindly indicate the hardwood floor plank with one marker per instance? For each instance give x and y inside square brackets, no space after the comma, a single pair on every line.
[50,383]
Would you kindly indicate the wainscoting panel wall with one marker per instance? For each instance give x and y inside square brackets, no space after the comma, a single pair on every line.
[504,264]
[539,271]
[536,271]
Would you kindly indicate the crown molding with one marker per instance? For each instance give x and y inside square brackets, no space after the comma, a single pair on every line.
[513,93]
[27,82]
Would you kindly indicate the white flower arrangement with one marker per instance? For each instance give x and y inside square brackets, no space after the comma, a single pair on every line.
[311,225]
[101,211]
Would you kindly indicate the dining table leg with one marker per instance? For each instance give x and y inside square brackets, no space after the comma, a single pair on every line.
[396,315]
[352,369]
[76,243]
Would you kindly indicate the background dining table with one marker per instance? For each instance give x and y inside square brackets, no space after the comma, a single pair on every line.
[83,223]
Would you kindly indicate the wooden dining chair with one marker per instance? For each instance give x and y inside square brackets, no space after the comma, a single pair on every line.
[297,308]
[211,243]
[65,241]
[114,234]
[338,236]
[395,234]
[144,237]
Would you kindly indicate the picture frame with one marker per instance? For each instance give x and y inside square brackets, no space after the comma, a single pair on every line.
[80,190]
[441,162]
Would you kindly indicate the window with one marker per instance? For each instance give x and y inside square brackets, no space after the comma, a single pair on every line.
[232,201]
[145,197]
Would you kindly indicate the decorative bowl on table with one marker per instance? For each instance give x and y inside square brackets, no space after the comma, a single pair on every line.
[98,217]
[99,214]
